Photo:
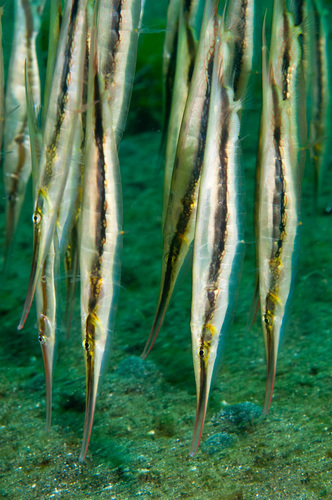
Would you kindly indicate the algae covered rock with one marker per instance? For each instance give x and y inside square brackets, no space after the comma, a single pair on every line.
[217,443]
[239,417]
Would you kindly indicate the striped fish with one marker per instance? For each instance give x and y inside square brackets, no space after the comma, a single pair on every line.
[169,62]
[277,215]
[320,101]
[58,136]
[218,243]
[46,320]
[180,220]
[240,21]
[17,160]
[100,238]
[53,38]
[118,22]
[185,61]
[45,288]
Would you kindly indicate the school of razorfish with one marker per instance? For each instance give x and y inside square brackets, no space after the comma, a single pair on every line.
[68,139]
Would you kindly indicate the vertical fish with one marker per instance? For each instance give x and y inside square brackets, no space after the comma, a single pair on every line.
[45,289]
[169,62]
[118,22]
[54,31]
[46,316]
[185,61]
[180,220]
[58,135]
[277,210]
[17,161]
[320,96]
[218,243]
[287,63]
[240,20]
[100,238]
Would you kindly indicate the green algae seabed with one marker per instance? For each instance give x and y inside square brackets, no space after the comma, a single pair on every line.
[145,412]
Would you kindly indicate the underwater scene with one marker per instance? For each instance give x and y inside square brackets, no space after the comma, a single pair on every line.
[165,249]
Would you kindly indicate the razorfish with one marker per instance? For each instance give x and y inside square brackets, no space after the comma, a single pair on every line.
[53,37]
[185,61]
[58,136]
[17,160]
[287,63]
[218,243]
[169,62]
[71,258]
[118,22]
[240,21]
[45,288]
[179,225]
[277,210]
[320,105]
[46,316]
[100,237]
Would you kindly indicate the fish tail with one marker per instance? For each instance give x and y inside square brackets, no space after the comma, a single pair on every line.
[158,321]
[202,400]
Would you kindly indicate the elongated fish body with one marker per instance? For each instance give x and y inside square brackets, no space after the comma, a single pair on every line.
[240,20]
[277,217]
[320,102]
[17,160]
[58,137]
[169,61]
[54,32]
[218,243]
[185,61]
[71,195]
[46,318]
[2,87]
[180,220]
[118,22]
[100,239]
[286,60]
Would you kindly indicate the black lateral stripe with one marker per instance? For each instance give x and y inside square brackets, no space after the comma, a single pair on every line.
[108,69]
[239,46]
[100,236]
[279,197]
[169,82]
[220,219]
[28,19]
[63,95]
[285,57]
[187,200]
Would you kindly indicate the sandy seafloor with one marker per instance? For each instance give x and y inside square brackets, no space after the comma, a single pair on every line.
[145,411]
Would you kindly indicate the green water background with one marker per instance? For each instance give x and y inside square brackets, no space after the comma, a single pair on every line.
[145,411]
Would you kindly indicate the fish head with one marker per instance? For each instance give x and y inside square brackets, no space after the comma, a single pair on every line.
[205,350]
[42,220]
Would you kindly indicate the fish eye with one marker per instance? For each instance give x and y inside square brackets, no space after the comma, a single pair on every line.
[202,352]
[41,338]
[267,319]
[36,218]
[86,345]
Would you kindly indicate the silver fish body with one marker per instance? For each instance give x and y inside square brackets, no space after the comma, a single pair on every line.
[61,121]
[100,239]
